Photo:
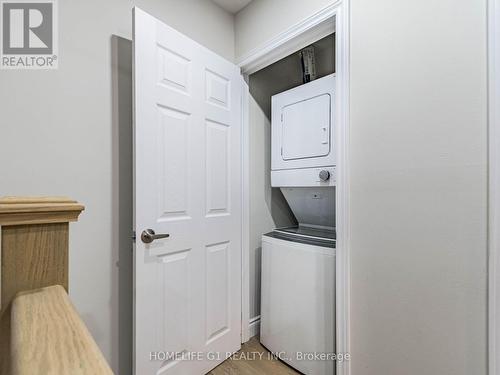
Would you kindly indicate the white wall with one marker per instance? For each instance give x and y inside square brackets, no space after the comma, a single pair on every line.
[261,20]
[418,100]
[61,134]
[268,208]
[261,219]
[418,179]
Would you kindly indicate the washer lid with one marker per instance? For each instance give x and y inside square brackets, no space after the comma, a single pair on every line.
[301,239]
[307,231]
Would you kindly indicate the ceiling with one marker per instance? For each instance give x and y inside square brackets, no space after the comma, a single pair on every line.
[232,6]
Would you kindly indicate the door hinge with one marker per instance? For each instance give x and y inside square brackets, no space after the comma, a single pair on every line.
[133,235]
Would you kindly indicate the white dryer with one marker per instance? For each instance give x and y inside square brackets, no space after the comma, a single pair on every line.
[302,135]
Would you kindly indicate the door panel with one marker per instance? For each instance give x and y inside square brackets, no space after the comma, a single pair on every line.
[217,157]
[173,173]
[187,183]
[218,280]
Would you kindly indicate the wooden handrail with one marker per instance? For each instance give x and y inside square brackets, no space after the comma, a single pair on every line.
[34,253]
[34,247]
[48,336]
[38,210]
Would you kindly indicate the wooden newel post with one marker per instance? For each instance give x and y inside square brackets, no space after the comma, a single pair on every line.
[34,252]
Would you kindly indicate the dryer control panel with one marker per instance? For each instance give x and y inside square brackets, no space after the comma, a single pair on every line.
[302,177]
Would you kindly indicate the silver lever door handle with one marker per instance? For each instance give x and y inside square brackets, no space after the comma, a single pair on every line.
[149,235]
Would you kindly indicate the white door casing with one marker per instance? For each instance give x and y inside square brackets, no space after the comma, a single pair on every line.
[493,187]
[187,295]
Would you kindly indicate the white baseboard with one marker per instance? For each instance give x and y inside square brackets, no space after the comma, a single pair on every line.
[254,326]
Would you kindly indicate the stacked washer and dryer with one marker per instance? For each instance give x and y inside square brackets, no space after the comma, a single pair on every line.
[298,263]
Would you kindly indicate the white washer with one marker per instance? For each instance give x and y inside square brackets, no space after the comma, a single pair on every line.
[298,297]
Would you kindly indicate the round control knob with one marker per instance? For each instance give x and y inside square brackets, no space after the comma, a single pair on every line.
[324,175]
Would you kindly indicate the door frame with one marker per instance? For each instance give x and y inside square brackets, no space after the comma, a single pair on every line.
[493,187]
[305,32]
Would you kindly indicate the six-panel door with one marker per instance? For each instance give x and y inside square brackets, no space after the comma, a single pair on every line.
[187,184]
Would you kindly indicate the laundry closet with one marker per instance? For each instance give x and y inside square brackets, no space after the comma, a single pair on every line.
[292,181]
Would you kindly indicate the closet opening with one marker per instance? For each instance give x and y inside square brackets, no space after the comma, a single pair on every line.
[292,202]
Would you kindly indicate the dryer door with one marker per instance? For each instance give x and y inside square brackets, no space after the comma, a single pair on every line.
[305,128]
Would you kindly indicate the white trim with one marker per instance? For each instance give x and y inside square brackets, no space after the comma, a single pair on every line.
[254,327]
[285,43]
[296,37]
[343,264]
[245,212]
[493,187]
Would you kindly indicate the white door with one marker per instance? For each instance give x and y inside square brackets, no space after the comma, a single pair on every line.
[187,300]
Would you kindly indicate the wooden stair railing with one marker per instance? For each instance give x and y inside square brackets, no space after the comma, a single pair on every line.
[48,336]
[37,326]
